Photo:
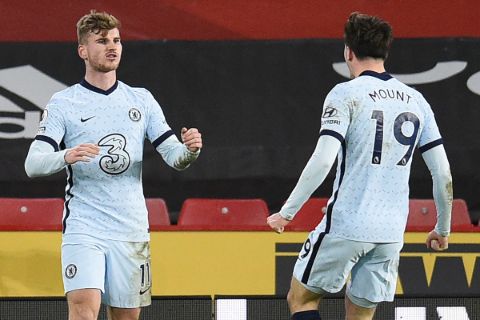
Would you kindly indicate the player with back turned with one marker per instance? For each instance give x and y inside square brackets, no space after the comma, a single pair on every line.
[371,124]
[101,124]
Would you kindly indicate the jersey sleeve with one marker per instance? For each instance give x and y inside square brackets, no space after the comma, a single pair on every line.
[336,113]
[316,170]
[44,155]
[437,162]
[157,128]
[430,135]
[41,161]
[52,125]
[164,140]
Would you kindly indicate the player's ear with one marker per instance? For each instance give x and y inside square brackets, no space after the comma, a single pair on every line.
[346,50]
[82,52]
[349,54]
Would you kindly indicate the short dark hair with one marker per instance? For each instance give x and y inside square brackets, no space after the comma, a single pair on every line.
[368,36]
[95,22]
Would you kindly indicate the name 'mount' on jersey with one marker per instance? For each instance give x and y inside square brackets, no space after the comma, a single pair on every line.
[379,121]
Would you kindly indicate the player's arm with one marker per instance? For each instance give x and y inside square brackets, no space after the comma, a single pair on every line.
[44,155]
[437,162]
[44,158]
[180,155]
[314,173]
[334,125]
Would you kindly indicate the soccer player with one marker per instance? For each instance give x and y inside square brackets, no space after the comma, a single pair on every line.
[96,130]
[373,124]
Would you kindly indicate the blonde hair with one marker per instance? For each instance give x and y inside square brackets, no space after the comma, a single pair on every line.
[95,22]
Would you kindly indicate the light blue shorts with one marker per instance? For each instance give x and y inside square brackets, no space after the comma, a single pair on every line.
[121,270]
[326,263]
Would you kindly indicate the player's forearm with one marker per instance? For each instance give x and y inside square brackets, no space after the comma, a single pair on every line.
[443,196]
[42,160]
[437,163]
[312,176]
[176,154]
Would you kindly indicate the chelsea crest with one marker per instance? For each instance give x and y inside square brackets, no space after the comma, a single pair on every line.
[134,114]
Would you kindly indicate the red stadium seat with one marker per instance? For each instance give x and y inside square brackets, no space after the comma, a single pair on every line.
[423,215]
[157,213]
[44,214]
[224,214]
[309,215]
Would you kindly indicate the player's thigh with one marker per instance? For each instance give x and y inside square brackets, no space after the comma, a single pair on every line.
[374,277]
[325,261]
[83,263]
[128,275]
[83,303]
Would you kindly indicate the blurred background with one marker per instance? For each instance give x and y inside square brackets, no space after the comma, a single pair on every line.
[252,76]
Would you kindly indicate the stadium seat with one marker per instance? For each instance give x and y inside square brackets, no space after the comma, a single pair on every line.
[309,215]
[224,214]
[157,213]
[423,215]
[43,214]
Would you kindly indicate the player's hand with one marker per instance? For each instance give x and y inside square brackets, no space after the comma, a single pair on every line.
[277,222]
[436,241]
[83,152]
[192,139]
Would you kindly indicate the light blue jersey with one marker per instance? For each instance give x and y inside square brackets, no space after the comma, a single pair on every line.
[104,197]
[379,121]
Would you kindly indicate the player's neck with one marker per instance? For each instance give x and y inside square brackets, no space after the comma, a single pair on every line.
[101,80]
[374,65]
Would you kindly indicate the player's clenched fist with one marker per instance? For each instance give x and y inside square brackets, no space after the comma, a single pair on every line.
[83,152]
[192,139]
[277,222]
[436,241]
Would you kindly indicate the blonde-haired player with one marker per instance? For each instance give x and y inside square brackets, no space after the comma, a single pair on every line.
[102,124]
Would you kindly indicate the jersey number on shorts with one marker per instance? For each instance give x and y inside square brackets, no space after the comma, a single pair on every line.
[146,280]
[117,159]
[306,247]
[398,133]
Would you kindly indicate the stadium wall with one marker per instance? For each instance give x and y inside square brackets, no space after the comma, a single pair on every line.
[236,263]
[257,103]
[25,20]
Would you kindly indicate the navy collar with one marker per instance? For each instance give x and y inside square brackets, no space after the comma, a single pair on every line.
[87,85]
[382,76]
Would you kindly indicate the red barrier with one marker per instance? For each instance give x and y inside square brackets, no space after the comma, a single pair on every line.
[17,214]
[219,20]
